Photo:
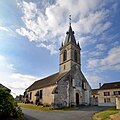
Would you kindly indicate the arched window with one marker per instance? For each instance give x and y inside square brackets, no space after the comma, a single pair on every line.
[75,56]
[65,55]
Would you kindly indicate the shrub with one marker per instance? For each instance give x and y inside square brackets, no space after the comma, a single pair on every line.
[39,103]
[8,108]
[46,105]
[27,101]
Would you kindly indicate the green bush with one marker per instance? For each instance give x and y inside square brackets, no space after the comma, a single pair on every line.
[39,103]
[46,105]
[8,108]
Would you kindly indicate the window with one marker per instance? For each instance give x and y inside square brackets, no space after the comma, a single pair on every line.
[73,82]
[65,55]
[41,93]
[106,93]
[93,96]
[78,83]
[37,93]
[106,100]
[30,95]
[83,85]
[64,67]
[116,92]
[75,56]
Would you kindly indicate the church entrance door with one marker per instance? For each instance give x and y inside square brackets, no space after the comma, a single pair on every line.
[77,98]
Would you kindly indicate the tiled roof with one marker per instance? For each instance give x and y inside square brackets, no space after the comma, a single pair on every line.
[94,91]
[50,80]
[113,85]
[2,86]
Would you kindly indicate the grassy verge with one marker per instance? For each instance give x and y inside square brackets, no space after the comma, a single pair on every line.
[41,108]
[105,115]
[33,107]
[70,108]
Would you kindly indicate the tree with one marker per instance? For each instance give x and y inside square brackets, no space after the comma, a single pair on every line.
[8,107]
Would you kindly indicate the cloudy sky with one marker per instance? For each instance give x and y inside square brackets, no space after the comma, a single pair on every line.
[31,32]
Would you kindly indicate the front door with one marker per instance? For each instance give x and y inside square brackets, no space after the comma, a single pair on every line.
[77,98]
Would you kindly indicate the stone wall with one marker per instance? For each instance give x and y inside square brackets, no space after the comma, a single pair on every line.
[47,96]
[117,102]
[71,84]
[61,99]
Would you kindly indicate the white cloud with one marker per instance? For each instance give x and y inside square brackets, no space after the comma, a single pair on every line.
[116,43]
[110,62]
[86,40]
[95,23]
[95,53]
[50,47]
[101,47]
[7,31]
[4,29]
[17,82]
[89,17]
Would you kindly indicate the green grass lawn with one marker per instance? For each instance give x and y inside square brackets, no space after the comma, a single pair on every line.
[33,107]
[41,108]
[105,115]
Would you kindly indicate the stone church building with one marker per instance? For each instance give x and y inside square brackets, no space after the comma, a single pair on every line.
[69,86]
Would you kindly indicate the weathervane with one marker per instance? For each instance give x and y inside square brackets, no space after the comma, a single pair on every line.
[70,20]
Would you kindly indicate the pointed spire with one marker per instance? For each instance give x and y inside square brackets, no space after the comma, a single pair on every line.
[70,28]
[69,20]
[70,34]
[78,45]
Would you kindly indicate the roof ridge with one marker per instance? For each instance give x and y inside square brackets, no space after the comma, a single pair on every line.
[47,81]
[111,83]
[47,76]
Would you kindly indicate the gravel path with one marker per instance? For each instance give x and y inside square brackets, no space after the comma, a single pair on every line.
[85,113]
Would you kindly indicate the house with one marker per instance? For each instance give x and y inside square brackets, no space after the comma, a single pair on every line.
[3,87]
[19,98]
[68,87]
[107,95]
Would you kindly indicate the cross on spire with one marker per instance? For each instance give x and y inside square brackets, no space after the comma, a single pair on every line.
[70,20]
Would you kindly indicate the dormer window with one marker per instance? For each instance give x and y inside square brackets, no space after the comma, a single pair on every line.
[65,55]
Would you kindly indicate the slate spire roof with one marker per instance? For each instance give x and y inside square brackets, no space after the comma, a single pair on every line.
[70,36]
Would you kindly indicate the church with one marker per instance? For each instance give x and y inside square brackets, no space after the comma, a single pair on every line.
[68,87]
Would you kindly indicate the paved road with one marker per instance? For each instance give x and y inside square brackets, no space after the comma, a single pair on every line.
[85,113]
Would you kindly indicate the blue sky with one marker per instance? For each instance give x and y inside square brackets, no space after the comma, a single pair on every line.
[31,32]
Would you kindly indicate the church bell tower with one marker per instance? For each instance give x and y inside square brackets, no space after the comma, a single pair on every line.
[69,52]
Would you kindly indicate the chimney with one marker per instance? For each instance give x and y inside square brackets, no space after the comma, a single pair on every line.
[99,85]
